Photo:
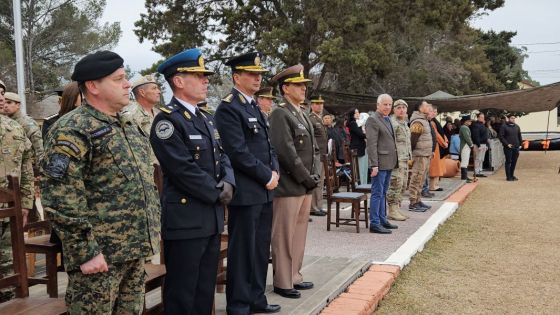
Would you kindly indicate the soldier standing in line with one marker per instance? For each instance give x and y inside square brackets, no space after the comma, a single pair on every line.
[197,182]
[245,136]
[298,154]
[32,130]
[99,194]
[399,175]
[421,144]
[16,159]
[265,100]
[143,111]
[316,118]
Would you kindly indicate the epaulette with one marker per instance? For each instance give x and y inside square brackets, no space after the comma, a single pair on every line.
[205,110]
[242,99]
[228,98]
[168,109]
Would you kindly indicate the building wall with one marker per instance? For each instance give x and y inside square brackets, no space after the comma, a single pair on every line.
[536,122]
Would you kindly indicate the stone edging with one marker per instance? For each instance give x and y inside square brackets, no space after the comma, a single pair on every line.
[363,296]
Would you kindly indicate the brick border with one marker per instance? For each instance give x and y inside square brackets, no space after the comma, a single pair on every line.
[363,295]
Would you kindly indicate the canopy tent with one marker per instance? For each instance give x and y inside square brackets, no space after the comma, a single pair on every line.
[542,98]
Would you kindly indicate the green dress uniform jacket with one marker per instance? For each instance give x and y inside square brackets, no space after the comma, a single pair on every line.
[98,189]
[320,132]
[293,139]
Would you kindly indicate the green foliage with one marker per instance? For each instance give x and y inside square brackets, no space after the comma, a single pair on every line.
[359,46]
[56,33]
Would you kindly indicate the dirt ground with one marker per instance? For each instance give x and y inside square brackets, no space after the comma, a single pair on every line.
[499,254]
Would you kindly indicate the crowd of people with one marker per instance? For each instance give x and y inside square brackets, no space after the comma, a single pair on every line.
[96,159]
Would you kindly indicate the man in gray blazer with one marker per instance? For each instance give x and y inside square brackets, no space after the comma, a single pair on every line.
[382,153]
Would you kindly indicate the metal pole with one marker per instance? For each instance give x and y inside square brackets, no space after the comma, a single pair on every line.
[19,55]
[547,128]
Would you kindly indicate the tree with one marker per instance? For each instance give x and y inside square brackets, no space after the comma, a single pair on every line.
[361,46]
[56,33]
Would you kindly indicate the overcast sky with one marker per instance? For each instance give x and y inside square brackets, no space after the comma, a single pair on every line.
[535,22]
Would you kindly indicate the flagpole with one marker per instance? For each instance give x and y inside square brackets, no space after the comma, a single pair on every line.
[19,55]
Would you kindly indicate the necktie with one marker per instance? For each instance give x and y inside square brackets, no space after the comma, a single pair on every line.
[388,122]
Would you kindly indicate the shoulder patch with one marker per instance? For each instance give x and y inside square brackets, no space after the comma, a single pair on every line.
[164,129]
[57,165]
[416,127]
[228,98]
[67,146]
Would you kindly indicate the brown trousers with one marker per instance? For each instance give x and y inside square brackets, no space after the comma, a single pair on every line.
[290,218]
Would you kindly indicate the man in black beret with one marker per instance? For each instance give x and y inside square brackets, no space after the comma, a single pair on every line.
[245,137]
[98,193]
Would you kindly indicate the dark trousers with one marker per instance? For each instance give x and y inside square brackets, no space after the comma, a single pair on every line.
[249,232]
[191,275]
[511,160]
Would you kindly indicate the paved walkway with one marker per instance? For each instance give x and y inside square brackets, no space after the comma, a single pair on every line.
[498,254]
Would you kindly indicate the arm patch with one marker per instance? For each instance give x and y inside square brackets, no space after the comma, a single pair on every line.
[57,165]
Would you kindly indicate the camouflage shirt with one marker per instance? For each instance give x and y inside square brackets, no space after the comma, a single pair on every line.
[143,119]
[15,159]
[98,188]
[33,133]
[402,139]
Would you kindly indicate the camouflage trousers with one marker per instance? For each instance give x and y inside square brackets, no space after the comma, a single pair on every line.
[398,183]
[118,291]
[6,266]
[417,177]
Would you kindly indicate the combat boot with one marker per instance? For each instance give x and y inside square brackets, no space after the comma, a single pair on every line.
[394,214]
[464,175]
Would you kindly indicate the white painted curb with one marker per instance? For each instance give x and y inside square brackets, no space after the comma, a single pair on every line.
[415,243]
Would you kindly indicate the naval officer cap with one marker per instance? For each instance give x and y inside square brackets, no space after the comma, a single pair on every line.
[317,100]
[293,74]
[96,66]
[188,61]
[250,62]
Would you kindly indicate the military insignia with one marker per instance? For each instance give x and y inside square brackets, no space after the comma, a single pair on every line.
[228,98]
[187,115]
[196,156]
[257,60]
[216,134]
[66,145]
[300,126]
[164,129]
[301,141]
[165,109]
[201,61]
[57,165]
[100,132]
[242,99]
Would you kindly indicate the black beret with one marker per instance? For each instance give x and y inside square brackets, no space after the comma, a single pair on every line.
[96,66]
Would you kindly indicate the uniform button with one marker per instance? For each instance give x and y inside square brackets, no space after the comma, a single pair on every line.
[217,162]
[197,147]
[183,200]
[214,149]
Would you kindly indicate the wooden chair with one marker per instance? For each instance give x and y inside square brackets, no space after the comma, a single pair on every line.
[354,198]
[22,304]
[42,244]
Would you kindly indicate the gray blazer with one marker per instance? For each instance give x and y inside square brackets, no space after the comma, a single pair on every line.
[381,147]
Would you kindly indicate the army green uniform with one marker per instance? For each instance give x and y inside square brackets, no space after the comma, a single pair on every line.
[399,175]
[98,192]
[33,133]
[15,159]
[143,119]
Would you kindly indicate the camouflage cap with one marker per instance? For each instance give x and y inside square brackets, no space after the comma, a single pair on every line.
[146,79]
[12,97]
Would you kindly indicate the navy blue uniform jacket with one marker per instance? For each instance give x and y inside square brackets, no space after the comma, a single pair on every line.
[245,137]
[193,162]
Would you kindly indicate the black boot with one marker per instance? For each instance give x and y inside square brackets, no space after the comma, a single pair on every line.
[464,175]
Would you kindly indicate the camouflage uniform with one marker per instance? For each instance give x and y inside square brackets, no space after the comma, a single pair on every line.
[33,133]
[15,159]
[98,192]
[143,119]
[399,175]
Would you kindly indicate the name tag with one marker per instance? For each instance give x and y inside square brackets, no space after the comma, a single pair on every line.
[252,119]
[195,137]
